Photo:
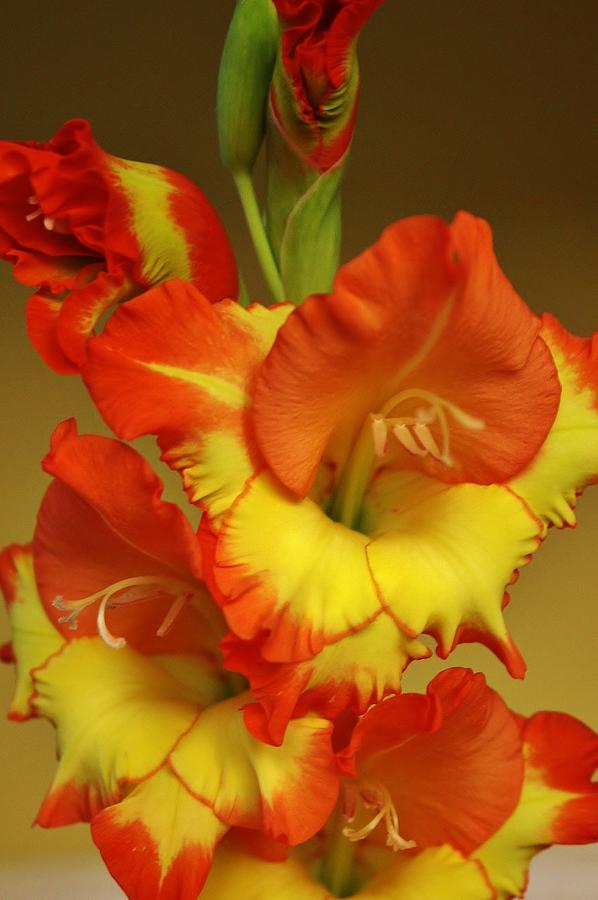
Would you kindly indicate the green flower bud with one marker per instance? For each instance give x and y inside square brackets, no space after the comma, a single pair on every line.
[246,68]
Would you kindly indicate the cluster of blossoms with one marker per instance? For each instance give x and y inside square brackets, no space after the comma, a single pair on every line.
[373,463]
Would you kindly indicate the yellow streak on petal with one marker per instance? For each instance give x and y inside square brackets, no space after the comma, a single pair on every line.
[163,242]
[219,388]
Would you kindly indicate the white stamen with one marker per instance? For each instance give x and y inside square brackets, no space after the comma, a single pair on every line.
[426,439]
[413,432]
[116,642]
[33,215]
[404,437]
[380,434]
[381,801]
[49,223]
[33,201]
[124,593]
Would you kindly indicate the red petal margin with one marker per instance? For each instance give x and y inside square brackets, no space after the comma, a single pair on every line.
[133,860]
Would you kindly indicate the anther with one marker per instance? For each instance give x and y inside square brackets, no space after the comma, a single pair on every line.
[426,438]
[380,800]
[380,434]
[124,593]
[404,437]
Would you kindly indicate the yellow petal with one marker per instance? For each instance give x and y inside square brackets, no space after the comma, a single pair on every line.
[568,459]
[117,716]
[435,874]
[34,638]
[283,566]
[439,873]
[442,556]
[287,791]
[236,874]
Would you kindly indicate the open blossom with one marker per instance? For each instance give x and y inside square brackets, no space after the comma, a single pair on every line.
[316,83]
[115,639]
[447,795]
[88,230]
[375,465]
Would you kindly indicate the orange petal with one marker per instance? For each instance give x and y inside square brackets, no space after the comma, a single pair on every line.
[452,761]
[425,309]
[82,308]
[42,319]
[172,364]
[103,521]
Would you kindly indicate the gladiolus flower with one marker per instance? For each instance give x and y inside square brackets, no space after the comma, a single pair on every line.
[89,230]
[375,465]
[446,796]
[120,653]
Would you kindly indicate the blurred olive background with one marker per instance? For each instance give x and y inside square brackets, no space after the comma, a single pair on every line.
[485,106]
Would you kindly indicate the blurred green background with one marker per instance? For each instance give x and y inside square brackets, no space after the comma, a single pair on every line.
[487,106]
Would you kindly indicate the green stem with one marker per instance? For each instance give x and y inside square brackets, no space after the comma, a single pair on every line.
[337,866]
[243,292]
[261,244]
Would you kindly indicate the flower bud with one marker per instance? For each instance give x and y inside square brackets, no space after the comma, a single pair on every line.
[244,80]
[313,103]
[316,80]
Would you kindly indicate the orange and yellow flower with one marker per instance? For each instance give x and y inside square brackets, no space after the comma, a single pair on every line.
[447,795]
[116,643]
[373,466]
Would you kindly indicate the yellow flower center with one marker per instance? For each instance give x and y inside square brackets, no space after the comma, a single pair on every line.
[123,593]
